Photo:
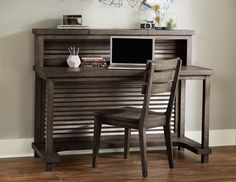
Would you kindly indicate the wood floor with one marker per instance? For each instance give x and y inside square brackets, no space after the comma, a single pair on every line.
[112,167]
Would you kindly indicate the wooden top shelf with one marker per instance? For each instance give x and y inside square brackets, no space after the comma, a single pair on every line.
[59,72]
[112,32]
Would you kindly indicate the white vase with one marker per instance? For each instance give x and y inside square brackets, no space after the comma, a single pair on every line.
[73,61]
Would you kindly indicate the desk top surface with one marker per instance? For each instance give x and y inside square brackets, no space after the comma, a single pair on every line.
[64,72]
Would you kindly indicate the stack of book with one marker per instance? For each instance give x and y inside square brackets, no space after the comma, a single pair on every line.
[72,27]
[93,62]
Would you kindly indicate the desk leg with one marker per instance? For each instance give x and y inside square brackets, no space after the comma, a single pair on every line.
[180,99]
[49,124]
[205,117]
[37,111]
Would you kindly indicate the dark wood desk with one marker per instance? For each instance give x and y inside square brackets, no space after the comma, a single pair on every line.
[65,99]
[89,89]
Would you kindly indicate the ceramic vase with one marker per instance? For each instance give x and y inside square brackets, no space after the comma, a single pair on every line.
[73,61]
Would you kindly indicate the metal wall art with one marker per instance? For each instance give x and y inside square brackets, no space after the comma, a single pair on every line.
[119,3]
[133,3]
[116,3]
[147,4]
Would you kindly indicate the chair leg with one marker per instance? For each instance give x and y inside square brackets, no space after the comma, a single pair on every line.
[143,150]
[168,141]
[127,142]
[96,141]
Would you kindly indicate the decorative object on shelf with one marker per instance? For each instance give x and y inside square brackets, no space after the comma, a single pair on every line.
[162,19]
[169,21]
[93,62]
[73,59]
[72,22]
[158,15]
[147,24]
[72,19]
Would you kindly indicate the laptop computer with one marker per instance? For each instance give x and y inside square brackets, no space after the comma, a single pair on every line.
[131,52]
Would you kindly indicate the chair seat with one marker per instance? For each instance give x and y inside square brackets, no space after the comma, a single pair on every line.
[130,117]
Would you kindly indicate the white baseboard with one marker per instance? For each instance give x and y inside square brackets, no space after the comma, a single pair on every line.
[216,137]
[22,147]
[16,148]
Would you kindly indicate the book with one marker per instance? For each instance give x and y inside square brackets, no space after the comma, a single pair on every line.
[72,27]
[94,61]
[94,58]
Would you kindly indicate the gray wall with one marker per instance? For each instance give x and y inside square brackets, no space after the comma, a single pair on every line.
[213,47]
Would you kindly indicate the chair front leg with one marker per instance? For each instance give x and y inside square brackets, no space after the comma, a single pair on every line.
[169,147]
[143,150]
[127,142]
[96,141]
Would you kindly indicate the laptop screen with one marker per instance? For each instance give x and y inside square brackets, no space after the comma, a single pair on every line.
[131,50]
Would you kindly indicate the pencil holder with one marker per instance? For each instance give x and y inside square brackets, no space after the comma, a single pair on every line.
[73,61]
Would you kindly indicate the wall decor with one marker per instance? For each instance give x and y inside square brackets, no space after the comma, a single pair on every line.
[119,3]
[145,4]
[133,3]
[116,3]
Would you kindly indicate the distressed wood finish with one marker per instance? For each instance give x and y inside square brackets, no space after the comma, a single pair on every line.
[80,92]
[180,106]
[55,52]
[205,116]
[49,122]
[53,43]
[141,119]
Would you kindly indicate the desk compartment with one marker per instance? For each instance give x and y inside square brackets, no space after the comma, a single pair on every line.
[75,102]
[56,50]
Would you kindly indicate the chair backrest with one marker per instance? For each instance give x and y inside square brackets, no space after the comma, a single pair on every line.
[161,76]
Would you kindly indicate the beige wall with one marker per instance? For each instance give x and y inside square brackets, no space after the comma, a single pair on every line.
[213,46]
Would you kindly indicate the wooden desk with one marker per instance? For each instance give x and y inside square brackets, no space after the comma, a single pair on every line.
[89,89]
[65,99]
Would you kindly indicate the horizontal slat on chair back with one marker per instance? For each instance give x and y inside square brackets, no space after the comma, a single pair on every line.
[159,78]
[161,88]
[162,65]
[163,76]
[164,72]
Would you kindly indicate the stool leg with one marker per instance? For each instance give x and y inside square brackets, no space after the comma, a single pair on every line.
[96,141]
[127,142]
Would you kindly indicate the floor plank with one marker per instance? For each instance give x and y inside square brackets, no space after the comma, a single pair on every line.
[112,167]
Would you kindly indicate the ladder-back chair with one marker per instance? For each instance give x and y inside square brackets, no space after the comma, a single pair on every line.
[161,76]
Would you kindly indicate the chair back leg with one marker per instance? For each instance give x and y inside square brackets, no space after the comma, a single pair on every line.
[143,150]
[127,142]
[96,141]
[168,141]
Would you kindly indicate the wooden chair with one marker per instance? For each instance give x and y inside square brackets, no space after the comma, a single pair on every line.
[161,76]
